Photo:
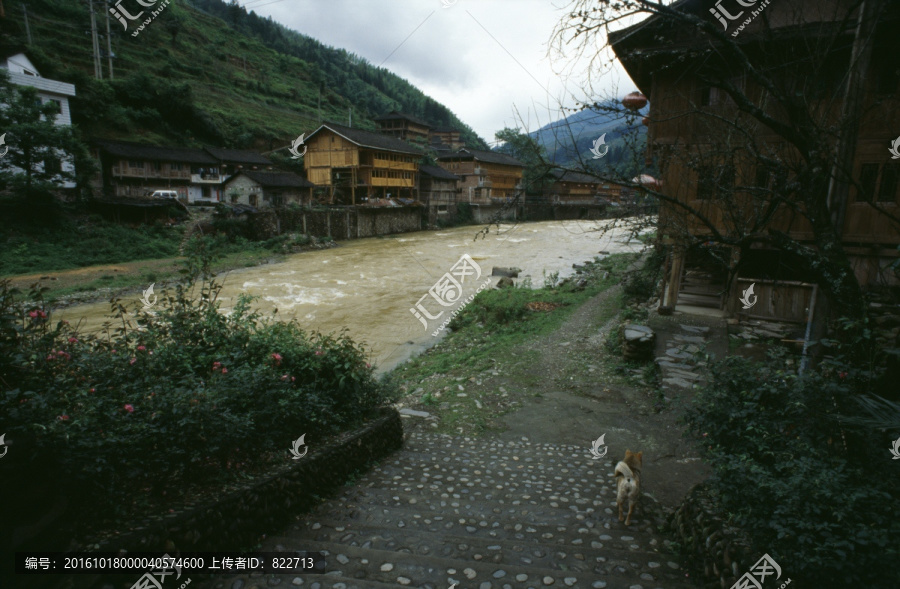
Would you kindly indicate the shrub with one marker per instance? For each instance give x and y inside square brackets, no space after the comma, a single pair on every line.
[805,490]
[179,394]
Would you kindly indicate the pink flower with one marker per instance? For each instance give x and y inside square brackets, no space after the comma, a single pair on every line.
[277,357]
[224,371]
[129,408]
[284,377]
[141,348]
[33,314]
[132,361]
[842,375]
[62,417]
[92,390]
[319,352]
[368,365]
[113,351]
[293,378]
[73,340]
[51,357]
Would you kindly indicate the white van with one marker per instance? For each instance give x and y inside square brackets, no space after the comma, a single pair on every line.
[164,194]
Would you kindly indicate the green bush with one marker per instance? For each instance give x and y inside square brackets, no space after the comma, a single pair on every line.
[817,497]
[179,394]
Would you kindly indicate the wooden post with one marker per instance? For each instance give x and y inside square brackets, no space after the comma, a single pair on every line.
[674,282]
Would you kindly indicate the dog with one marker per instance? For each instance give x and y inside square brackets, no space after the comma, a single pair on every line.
[628,483]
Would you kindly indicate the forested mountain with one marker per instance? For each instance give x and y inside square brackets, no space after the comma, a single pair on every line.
[568,139]
[207,72]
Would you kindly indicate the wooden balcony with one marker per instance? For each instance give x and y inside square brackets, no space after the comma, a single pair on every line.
[128,172]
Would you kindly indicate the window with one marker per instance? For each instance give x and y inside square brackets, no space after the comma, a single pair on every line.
[887,191]
[868,179]
[175,167]
[878,182]
[136,164]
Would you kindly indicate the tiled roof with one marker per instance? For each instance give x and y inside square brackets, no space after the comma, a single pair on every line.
[277,179]
[155,152]
[369,139]
[238,156]
[490,157]
[436,172]
[570,176]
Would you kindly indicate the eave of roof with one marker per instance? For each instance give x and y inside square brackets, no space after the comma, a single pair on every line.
[368,139]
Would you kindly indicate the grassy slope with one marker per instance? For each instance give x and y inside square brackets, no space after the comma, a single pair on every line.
[488,336]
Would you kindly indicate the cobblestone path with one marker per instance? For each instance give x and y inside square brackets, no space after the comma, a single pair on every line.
[478,513]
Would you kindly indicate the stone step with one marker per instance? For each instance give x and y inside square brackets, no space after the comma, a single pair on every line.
[416,570]
[525,550]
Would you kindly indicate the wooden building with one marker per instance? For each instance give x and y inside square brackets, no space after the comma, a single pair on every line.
[444,140]
[232,161]
[693,118]
[402,126]
[352,166]
[486,177]
[568,187]
[132,169]
[267,189]
[438,189]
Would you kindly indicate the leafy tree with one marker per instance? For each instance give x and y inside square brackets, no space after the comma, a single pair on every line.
[37,146]
[528,151]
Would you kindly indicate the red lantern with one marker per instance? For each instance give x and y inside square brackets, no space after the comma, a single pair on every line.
[634,101]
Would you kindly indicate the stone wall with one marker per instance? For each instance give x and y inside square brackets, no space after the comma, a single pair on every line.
[346,223]
[240,515]
[718,552]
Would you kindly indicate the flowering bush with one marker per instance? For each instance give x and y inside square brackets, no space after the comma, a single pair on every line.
[175,395]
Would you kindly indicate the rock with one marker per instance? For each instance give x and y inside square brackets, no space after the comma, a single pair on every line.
[639,342]
[387,567]
[506,272]
[414,413]
[695,329]
[505,282]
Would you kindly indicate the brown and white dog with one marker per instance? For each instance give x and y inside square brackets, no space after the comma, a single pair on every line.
[628,483]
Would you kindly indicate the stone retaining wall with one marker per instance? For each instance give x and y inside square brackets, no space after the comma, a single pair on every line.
[720,553]
[346,223]
[237,519]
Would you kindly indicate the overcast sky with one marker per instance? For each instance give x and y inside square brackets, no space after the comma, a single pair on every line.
[483,59]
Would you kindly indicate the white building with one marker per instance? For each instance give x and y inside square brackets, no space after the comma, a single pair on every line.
[22,72]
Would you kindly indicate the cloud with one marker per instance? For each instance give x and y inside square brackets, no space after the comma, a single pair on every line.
[484,60]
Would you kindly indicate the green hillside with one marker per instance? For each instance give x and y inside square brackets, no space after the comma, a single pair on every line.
[206,72]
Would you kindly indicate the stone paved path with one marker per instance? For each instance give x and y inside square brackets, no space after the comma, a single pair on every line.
[483,513]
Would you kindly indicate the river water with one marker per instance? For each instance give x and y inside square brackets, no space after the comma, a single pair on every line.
[369,286]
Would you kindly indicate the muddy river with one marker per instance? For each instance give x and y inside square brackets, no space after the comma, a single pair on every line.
[385,291]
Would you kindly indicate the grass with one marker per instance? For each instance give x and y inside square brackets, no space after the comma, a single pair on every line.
[487,339]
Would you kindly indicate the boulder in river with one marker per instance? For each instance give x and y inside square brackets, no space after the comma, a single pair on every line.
[509,272]
[506,282]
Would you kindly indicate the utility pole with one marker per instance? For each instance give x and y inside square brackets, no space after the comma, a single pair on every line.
[27,28]
[98,73]
[320,104]
[108,41]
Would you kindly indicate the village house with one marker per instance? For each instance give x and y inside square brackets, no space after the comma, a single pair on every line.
[353,166]
[437,189]
[23,73]
[444,140]
[568,187]
[267,189]
[487,177]
[135,170]
[687,107]
[232,161]
[402,126]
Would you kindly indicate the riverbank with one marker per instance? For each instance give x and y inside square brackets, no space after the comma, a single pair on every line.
[535,363]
